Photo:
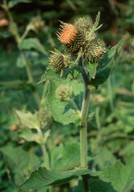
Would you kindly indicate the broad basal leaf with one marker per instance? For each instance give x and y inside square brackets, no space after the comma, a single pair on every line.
[43,177]
[120,176]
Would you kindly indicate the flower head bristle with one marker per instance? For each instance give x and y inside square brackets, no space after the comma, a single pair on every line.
[67,34]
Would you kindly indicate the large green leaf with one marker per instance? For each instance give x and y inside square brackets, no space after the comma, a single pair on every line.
[119,175]
[106,64]
[19,161]
[43,177]
[62,111]
[32,43]
[65,157]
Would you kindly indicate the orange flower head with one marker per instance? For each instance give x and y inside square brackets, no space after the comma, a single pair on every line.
[67,34]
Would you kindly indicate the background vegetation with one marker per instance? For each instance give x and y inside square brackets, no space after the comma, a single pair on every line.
[26,40]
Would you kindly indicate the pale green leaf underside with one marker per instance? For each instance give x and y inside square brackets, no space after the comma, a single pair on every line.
[29,120]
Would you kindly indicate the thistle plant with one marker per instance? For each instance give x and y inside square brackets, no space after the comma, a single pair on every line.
[84,64]
[86,49]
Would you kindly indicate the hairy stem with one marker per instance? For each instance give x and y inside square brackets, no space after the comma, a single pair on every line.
[83,130]
[84,120]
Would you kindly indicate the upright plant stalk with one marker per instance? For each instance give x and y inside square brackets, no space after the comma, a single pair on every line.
[83,129]
[84,116]
[45,153]
[14,31]
[84,120]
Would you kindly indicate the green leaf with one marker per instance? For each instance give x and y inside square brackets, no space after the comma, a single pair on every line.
[129,148]
[96,185]
[103,157]
[119,175]
[19,161]
[92,69]
[12,3]
[33,43]
[43,177]
[29,120]
[66,157]
[106,64]
[30,136]
[61,110]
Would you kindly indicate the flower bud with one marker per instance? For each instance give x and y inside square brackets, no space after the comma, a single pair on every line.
[83,25]
[94,50]
[63,92]
[58,61]
[38,23]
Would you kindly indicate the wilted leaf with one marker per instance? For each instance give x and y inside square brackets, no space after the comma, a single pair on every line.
[29,135]
[29,120]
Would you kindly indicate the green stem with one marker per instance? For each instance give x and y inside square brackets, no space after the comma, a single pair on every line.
[110,93]
[84,120]
[44,150]
[30,77]
[28,70]
[14,30]
[83,130]
[45,155]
